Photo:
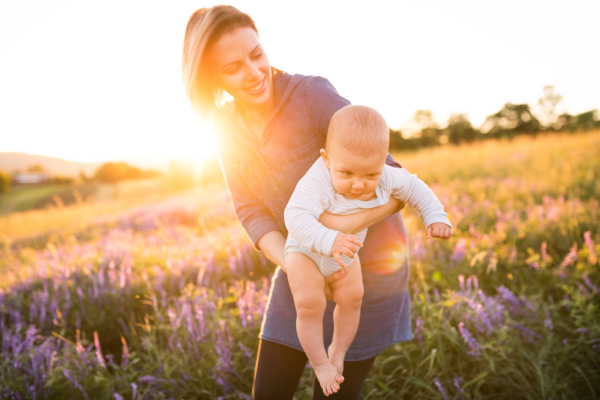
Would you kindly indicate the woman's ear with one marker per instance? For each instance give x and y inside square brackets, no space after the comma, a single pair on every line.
[325,158]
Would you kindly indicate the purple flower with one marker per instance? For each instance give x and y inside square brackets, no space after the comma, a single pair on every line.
[147,379]
[247,352]
[528,334]
[419,325]
[415,289]
[474,280]
[440,387]
[125,355]
[461,281]
[75,383]
[571,257]
[545,256]
[99,351]
[472,344]
[590,245]
[534,265]
[482,319]
[548,321]
[589,283]
[508,296]
[459,251]
[458,382]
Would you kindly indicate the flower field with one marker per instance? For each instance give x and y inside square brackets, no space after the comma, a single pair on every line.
[165,300]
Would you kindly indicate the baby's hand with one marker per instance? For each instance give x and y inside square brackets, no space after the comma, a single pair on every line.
[438,230]
[344,244]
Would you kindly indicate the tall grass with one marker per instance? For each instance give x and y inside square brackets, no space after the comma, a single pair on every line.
[165,300]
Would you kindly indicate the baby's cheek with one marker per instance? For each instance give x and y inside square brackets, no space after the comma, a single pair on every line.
[340,185]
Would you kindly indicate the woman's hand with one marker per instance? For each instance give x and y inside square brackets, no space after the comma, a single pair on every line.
[336,276]
[273,245]
[355,223]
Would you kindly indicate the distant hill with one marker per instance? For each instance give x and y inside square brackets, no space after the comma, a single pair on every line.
[57,166]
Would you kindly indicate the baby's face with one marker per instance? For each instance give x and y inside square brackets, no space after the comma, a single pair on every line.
[353,176]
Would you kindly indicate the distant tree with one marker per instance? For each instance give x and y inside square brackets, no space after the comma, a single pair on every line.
[151,173]
[548,103]
[511,120]
[4,182]
[424,119]
[36,168]
[587,120]
[83,177]
[429,130]
[584,121]
[459,129]
[396,140]
[120,171]
[62,180]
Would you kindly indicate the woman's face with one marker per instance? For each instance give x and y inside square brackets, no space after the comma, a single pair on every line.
[240,67]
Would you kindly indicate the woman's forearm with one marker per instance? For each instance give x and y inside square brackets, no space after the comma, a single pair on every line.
[354,223]
[273,245]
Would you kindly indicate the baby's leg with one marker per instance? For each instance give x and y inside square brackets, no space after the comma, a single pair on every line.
[347,294]
[307,283]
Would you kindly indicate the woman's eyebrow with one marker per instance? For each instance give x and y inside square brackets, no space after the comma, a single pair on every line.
[229,64]
[237,62]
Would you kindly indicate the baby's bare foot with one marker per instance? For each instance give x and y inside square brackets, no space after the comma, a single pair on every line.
[336,357]
[328,377]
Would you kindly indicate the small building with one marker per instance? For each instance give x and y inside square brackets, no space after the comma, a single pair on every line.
[30,178]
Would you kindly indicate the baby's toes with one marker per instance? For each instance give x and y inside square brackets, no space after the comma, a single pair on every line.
[333,388]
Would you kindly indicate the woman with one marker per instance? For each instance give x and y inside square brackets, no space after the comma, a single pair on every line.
[267,138]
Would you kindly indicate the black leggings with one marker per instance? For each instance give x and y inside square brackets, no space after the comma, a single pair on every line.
[279,368]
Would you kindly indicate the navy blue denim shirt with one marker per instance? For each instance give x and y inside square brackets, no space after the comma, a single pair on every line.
[261,178]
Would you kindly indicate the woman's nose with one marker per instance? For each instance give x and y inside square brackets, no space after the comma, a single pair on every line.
[253,72]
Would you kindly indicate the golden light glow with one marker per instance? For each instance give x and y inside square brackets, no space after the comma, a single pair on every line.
[90,83]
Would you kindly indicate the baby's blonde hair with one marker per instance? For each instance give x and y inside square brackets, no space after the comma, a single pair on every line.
[361,130]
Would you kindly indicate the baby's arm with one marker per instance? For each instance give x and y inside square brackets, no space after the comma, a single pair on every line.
[408,188]
[308,201]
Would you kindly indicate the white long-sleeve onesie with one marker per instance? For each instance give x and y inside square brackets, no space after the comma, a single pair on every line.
[315,194]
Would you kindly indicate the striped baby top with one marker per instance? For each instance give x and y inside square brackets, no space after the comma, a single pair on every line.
[314,194]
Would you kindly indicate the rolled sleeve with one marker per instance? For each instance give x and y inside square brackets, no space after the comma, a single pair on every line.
[258,225]
[252,213]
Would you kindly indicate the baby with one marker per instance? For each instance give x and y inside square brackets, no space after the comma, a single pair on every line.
[350,176]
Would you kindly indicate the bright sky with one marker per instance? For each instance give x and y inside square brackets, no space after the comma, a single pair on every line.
[91,81]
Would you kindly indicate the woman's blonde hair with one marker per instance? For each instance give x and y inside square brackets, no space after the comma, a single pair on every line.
[205,27]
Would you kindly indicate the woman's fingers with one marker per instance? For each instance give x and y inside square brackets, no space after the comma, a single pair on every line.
[336,276]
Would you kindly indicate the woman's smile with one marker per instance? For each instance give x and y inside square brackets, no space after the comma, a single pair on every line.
[241,67]
[258,88]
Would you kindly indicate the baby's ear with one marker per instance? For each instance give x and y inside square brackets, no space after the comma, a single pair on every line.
[325,158]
